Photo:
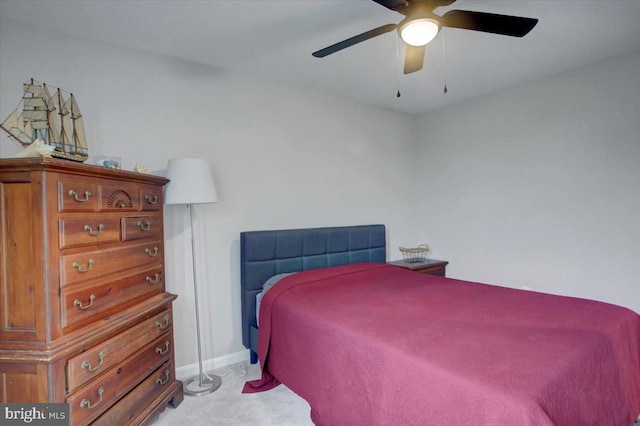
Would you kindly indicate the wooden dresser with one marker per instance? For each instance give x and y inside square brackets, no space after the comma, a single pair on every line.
[84,315]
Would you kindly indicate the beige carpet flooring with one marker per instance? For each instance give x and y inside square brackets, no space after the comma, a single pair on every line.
[228,406]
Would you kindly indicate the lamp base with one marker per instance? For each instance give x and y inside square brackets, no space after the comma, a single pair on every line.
[202,384]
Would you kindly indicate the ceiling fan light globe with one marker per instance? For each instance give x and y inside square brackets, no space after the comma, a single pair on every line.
[420,31]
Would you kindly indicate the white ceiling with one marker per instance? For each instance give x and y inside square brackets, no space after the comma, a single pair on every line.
[275,39]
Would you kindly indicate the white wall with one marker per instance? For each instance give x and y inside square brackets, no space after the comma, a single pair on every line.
[539,185]
[281,157]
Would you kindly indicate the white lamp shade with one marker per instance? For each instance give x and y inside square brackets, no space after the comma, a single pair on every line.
[418,32]
[191,182]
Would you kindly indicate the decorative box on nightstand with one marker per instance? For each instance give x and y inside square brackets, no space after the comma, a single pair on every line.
[428,266]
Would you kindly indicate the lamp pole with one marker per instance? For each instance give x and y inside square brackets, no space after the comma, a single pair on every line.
[190,182]
[207,383]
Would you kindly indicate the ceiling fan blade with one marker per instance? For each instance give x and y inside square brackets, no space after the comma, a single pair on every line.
[514,26]
[413,59]
[395,5]
[354,40]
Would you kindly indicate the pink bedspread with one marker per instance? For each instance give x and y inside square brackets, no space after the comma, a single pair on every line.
[372,344]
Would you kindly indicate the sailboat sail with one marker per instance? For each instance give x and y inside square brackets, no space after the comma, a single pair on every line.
[67,125]
[51,118]
[54,133]
[13,124]
[79,139]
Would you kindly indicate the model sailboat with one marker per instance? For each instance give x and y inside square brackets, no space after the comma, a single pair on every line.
[51,118]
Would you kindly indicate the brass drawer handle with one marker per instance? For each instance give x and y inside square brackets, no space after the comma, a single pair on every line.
[153,252]
[163,325]
[167,374]
[88,366]
[153,280]
[86,403]
[151,200]
[145,226]
[78,302]
[79,267]
[165,350]
[92,232]
[74,194]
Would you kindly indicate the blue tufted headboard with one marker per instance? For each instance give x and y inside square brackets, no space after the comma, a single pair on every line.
[264,254]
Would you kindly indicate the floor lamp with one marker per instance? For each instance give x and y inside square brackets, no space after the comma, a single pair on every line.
[191,183]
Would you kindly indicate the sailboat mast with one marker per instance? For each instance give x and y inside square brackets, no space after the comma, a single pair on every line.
[40,131]
[73,122]
[61,113]
[34,131]
[45,97]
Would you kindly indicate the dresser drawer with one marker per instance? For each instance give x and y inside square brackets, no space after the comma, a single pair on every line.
[77,196]
[135,228]
[119,197]
[93,264]
[131,405]
[92,400]
[100,358]
[82,303]
[88,230]
[150,198]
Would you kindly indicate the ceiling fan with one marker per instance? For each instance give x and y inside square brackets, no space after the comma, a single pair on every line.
[421,25]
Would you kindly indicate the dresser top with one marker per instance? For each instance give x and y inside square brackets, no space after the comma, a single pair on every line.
[66,166]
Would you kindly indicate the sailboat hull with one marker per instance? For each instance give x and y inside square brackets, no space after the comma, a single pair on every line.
[67,156]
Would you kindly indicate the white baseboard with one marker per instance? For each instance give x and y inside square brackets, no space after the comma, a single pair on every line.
[187,371]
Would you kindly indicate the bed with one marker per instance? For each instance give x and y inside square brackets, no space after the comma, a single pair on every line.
[364,342]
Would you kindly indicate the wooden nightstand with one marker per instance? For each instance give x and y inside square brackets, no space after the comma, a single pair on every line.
[429,266]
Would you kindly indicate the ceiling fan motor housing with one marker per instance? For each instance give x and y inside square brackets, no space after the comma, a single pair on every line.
[438,3]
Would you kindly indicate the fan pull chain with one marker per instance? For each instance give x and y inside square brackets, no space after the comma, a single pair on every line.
[444,64]
[397,67]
